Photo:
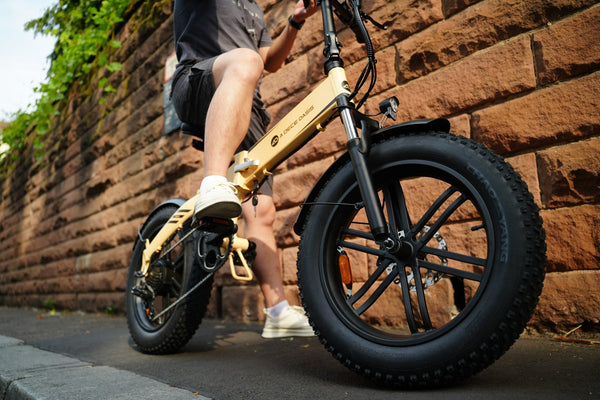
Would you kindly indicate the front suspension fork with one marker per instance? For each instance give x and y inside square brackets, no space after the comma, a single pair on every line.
[358,148]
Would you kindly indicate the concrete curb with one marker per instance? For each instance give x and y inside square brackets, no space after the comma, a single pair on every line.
[28,373]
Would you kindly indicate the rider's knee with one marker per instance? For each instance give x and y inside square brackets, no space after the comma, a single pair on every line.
[263,213]
[267,213]
[246,66]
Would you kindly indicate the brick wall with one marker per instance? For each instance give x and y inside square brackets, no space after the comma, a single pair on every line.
[523,77]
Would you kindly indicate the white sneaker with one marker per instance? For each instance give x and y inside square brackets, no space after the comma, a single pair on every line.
[219,201]
[291,322]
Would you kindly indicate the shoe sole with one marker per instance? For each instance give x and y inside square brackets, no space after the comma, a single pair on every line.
[276,333]
[224,209]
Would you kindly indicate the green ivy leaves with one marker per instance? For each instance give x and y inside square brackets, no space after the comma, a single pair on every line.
[85,39]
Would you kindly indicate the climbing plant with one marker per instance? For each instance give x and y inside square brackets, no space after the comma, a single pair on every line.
[85,37]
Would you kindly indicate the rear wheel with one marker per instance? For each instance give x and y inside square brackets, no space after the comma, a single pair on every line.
[173,271]
[459,291]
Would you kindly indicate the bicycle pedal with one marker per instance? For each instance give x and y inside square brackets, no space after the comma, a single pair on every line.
[221,226]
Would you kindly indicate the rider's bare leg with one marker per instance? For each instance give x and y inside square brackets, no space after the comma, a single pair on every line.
[281,319]
[259,229]
[236,74]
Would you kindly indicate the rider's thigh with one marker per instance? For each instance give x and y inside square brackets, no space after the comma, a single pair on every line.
[240,65]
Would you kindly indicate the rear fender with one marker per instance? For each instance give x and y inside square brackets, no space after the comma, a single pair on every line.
[423,125]
[171,202]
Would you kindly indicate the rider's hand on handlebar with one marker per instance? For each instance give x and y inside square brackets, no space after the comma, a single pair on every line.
[301,12]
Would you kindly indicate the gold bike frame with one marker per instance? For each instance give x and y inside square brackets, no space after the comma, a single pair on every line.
[251,167]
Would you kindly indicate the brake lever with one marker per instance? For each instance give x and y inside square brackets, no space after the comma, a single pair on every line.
[377,24]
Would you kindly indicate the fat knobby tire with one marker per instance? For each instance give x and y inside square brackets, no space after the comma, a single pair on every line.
[508,293]
[181,325]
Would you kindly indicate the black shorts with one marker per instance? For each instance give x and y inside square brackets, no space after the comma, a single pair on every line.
[192,91]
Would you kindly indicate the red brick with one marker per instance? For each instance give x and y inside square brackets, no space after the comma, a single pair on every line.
[568,48]
[292,187]
[288,80]
[461,125]
[290,269]
[284,227]
[572,238]
[113,258]
[454,6]
[473,82]
[526,166]
[568,299]
[93,302]
[560,113]
[104,281]
[292,294]
[570,174]
[69,222]
[402,18]
[481,25]
[266,4]
[242,303]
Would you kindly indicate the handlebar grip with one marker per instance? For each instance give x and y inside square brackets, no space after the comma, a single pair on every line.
[306,3]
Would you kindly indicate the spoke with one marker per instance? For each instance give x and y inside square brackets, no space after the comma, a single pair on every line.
[181,298]
[455,256]
[175,287]
[364,249]
[441,220]
[376,294]
[472,276]
[421,298]
[360,234]
[410,316]
[367,285]
[432,210]
[178,242]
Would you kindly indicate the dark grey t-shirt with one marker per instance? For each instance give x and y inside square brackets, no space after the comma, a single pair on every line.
[208,28]
[205,29]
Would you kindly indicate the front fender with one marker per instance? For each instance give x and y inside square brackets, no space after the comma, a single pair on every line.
[422,125]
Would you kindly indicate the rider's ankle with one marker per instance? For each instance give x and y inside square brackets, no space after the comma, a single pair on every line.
[278,308]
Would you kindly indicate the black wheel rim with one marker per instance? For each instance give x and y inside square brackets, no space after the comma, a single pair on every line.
[405,301]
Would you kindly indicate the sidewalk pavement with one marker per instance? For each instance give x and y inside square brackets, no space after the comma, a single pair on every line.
[27,373]
[81,356]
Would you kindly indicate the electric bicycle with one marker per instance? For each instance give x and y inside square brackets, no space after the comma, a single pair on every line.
[421,254]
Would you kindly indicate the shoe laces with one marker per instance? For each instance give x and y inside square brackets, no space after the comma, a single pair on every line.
[220,185]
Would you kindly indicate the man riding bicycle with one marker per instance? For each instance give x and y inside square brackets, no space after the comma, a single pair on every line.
[223,46]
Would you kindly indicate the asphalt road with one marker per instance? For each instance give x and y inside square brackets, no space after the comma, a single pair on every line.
[231,361]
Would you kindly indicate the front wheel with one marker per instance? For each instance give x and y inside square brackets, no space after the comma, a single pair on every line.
[459,291]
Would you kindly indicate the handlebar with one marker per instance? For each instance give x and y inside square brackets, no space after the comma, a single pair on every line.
[351,14]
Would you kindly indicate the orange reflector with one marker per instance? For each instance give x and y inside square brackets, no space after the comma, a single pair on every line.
[345,271]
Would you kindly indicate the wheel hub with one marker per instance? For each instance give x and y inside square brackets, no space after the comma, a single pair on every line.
[405,250]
